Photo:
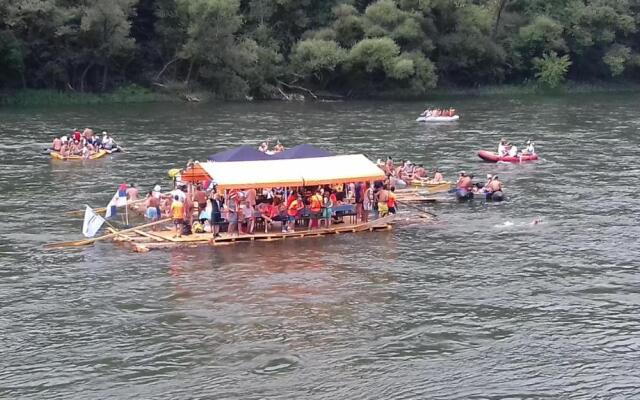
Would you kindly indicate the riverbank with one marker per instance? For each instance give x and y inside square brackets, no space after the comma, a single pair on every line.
[46,97]
[139,94]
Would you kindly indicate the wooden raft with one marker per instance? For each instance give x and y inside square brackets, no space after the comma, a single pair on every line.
[143,241]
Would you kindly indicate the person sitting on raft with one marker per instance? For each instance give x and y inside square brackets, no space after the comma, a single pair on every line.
[494,188]
[529,149]
[263,147]
[502,147]
[437,177]
[513,150]
[464,182]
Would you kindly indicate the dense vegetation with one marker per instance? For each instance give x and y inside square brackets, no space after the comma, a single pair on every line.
[266,48]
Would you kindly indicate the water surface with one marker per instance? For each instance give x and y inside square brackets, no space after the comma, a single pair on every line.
[480,304]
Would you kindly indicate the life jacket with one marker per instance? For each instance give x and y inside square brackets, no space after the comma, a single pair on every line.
[316,203]
[392,200]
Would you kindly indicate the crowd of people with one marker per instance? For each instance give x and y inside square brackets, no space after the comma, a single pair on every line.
[506,148]
[83,143]
[201,208]
[264,148]
[406,172]
[438,112]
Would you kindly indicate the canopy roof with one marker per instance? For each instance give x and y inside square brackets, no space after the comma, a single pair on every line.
[302,151]
[290,173]
[241,153]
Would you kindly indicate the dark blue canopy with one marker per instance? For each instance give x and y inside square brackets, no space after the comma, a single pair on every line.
[242,153]
[302,151]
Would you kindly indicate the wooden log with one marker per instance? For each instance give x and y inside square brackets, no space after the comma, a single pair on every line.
[85,242]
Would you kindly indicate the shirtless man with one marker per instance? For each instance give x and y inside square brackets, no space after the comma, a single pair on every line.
[494,185]
[382,198]
[57,144]
[464,182]
[64,150]
[132,192]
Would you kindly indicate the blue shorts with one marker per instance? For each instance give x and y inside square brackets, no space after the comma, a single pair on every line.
[291,219]
[152,213]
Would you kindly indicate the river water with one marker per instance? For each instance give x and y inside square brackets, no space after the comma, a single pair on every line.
[479,304]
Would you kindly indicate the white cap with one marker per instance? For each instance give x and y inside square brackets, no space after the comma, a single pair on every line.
[489,176]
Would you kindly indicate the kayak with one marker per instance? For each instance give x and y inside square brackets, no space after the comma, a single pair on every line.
[432,187]
[438,119]
[490,156]
[57,156]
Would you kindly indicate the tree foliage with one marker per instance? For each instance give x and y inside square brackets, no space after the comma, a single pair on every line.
[238,48]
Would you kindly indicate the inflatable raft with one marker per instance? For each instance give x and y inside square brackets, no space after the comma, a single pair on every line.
[493,157]
[437,119]
[57,156]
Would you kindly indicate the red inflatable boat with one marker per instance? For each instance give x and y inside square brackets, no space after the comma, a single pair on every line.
[490,156]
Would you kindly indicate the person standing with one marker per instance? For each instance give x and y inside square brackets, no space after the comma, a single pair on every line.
[383,200]
[327,208]
[315,208]
[215,203]
[391,203]
[132,192]
[177,214]
[358,193]
[367,202]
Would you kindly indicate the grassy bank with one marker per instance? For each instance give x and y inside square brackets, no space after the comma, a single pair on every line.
[534,89]
[139,94]
[41,97]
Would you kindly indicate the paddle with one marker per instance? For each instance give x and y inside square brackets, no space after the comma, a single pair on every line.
[431,215]
[85,242]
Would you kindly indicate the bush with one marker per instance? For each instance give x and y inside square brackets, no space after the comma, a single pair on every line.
[552,69]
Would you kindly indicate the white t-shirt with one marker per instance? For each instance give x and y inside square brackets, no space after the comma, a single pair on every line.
[531,149]
[513,151]
[181,195]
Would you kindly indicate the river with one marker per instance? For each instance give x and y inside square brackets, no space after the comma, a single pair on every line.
[479,304]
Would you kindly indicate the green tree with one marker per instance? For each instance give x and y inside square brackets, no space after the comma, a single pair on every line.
[317,59]
[552,69]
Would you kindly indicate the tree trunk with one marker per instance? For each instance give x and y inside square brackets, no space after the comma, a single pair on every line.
[157,78]
[84,76]
[186,81]
[496,26]
[104,77]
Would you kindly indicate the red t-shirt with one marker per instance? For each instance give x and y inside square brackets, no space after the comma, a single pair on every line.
[290,199]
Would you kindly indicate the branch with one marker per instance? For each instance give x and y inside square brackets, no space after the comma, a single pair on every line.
[165,68]
[299,88]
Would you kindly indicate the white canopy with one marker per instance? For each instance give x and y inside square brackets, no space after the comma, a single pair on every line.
[292,173]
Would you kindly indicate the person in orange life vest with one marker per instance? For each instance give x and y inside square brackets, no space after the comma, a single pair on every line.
[315,207]
[391,201]
[293,209]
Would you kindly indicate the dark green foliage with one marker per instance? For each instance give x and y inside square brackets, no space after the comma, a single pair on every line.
[260,48]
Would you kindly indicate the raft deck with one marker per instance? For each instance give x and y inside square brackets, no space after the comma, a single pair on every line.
[143,241]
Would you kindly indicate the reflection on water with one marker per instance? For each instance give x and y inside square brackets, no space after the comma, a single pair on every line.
[478,304]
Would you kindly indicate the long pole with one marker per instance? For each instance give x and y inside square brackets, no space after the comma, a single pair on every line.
[93,240]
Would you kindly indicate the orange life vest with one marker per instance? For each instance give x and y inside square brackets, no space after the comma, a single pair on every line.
[316,203]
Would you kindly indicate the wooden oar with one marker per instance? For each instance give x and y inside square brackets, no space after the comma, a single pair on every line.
[431,215]
[85,242]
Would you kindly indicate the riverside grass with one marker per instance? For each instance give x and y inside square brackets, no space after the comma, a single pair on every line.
[47,97]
